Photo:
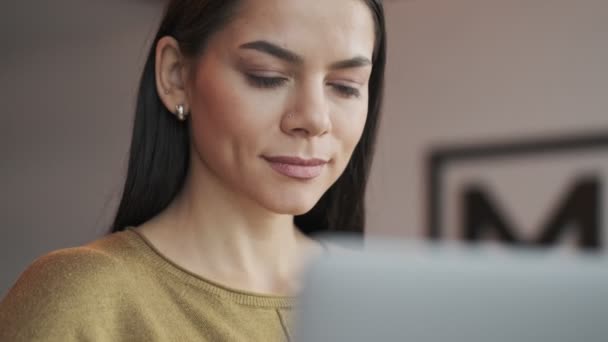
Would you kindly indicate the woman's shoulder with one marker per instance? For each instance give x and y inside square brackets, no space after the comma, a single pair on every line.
[83,263]
[58,288]
[87,263]
[82,272]
[79,271]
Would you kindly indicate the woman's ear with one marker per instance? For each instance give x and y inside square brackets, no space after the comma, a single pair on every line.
[170,72]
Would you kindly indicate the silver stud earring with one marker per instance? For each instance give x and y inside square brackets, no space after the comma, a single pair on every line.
[167,91]
[181,112]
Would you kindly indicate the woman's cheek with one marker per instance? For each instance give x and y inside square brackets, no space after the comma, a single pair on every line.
[350,124]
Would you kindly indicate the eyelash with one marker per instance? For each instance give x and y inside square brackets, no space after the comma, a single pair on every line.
[347,91]
[274,82]
[266,82]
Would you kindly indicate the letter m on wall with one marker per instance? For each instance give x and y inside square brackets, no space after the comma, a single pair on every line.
[579,209]
[469,197]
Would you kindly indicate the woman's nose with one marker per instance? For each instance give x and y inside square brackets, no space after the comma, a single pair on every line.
[309,114]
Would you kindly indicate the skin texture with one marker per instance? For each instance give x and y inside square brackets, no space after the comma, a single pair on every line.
[233,221]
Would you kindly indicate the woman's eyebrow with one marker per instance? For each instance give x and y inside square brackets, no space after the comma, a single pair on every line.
[274,50]
[293,58]
[355,62]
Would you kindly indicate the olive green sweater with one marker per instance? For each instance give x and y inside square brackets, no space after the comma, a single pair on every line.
[120,288]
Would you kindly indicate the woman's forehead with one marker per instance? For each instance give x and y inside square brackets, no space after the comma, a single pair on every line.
[342,26]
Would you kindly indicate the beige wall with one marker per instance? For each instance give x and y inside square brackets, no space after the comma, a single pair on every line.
[68,75]
[458,70]
[474,70]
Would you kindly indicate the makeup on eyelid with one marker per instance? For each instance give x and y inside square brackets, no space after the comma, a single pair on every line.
[262,63]
[273,82]
[264,76]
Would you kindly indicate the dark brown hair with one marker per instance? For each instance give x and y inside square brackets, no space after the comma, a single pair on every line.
[160,150]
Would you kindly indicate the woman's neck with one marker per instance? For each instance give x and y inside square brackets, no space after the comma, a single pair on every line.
[229,239]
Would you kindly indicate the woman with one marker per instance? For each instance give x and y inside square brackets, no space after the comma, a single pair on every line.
[254,129]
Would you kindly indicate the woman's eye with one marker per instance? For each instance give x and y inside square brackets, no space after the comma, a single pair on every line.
[347,91]
[266,82]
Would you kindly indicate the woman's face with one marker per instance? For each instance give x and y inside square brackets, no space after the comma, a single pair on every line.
[279,98]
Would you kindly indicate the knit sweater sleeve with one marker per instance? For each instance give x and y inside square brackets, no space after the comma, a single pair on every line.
[66,295]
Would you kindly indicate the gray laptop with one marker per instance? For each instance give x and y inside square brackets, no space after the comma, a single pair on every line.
[436,294]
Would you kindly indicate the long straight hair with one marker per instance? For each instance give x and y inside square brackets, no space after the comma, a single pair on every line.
[160,148]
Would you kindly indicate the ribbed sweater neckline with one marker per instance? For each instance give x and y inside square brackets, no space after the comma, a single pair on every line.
[154,256]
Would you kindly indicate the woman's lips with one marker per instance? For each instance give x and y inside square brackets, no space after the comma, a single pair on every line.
[296,167]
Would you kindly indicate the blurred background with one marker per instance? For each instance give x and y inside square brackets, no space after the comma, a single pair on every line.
[495,124]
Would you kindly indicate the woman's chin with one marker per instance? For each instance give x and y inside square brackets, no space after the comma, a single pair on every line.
[292,206]
[288,200]
[295,209]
